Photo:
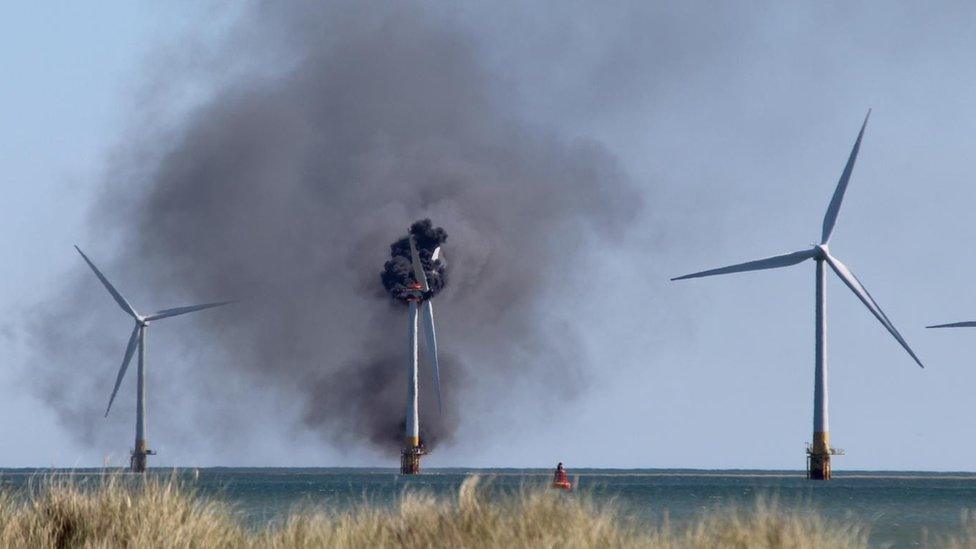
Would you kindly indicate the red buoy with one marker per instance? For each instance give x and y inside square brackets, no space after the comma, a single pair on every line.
[562,485]
[560,480]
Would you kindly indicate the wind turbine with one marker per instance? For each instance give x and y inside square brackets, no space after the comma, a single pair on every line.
[416,295]
[818,453]
[137,461]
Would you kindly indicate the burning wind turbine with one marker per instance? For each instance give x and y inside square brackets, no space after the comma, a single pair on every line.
[818,453]
[137,461]
[414,275]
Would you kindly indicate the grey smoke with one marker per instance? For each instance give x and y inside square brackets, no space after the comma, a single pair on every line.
[285,188]
[398,270]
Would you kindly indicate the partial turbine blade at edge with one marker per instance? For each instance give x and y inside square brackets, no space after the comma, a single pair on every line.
[108,286]
[428,314]
[129,349]
[166,313]
[830,218]
[861,292]
[969,324]
[774,262]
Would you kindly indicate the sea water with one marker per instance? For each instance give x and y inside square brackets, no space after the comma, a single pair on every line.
[902,509]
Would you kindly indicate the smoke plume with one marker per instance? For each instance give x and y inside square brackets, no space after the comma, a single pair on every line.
[284,188]
[398,271]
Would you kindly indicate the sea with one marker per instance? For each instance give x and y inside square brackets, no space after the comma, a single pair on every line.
[902,509]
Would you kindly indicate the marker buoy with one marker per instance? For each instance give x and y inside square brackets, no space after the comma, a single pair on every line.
[560,480]
[562,485]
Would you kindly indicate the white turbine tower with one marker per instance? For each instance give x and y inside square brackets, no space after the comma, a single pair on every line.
[415,294]
[820,451]
[138,339]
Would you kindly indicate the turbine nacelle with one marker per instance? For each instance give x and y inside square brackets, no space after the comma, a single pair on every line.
[414,292]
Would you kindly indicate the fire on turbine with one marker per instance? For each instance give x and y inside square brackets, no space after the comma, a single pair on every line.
[398,275]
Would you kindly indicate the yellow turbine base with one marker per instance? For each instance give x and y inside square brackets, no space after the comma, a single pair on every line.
[821,443]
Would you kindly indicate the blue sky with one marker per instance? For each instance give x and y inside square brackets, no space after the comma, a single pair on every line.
[70,70]
[734,126]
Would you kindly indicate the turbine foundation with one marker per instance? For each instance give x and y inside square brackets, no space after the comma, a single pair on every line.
[410,460]
[818,466]
[818,457]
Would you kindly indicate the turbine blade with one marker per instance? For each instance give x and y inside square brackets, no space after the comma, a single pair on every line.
[774,262]
[428,312]
[418,267]
[955,325]
[830,218]
[861,292]
[129,349]
[166,313]
[108,286]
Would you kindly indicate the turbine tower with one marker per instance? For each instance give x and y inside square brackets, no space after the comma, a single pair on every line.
[819,452]
[137,461]
[415,296]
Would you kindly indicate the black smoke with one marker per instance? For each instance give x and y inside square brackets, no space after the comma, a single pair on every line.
[398,271]
[283,189]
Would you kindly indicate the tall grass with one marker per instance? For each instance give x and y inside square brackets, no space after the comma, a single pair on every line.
[123,511]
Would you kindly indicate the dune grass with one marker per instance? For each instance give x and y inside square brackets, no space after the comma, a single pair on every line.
[127,511]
